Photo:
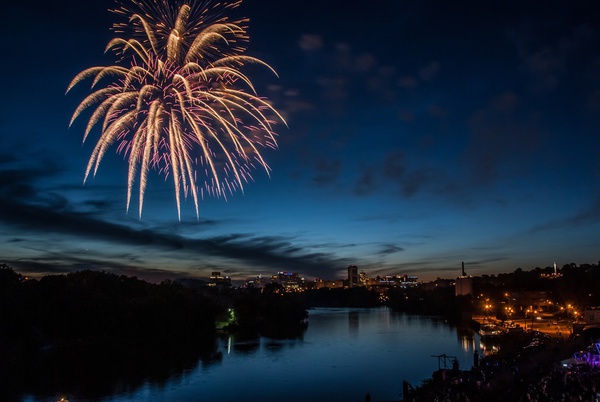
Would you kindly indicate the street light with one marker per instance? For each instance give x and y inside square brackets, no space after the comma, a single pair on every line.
[509,311]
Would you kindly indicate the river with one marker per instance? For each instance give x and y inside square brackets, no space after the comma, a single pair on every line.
[344,354]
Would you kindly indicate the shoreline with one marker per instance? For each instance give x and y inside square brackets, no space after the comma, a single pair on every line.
[523,366]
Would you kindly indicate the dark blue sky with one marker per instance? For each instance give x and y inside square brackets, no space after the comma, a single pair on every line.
[421,134]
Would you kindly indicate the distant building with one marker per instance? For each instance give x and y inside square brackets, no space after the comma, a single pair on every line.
[256,282]
[320,284]
[289,280]
[217,280]
[363,278]
[410,281]
[464,284]
[352,276]
[555,274]
[532,302]
[592,316]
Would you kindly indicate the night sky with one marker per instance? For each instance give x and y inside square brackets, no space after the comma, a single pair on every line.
[421,134]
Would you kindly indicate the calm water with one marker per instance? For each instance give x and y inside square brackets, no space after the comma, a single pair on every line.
[344,354]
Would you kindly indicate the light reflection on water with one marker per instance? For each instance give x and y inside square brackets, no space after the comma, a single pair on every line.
[343,354]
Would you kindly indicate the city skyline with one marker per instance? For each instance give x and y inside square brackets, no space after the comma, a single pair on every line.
[419,135]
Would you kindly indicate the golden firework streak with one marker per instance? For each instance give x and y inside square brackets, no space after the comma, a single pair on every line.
[177,103]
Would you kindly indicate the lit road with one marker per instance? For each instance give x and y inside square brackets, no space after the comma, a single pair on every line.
[548,326]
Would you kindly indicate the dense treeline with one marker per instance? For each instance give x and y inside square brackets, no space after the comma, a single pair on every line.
[579,285]
[87,325]
[439,301]
[94,308]
[576,285]
[268,314]
[95,331]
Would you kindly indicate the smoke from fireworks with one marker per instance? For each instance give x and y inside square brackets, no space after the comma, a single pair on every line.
[178,101]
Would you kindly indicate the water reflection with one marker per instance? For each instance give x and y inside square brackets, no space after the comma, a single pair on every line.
[489,346]
[240,342]
[247,347]
[353,319]
[358,350]
[274,346]
[95,375]
[466,337]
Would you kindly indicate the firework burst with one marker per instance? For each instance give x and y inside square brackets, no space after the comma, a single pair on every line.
[177,100]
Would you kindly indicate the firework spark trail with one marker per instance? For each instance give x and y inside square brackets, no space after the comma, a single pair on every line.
[177,100]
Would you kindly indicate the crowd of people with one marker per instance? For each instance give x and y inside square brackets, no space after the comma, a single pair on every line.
[520,373]
[581,383]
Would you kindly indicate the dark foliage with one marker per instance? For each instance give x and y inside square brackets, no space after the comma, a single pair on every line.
[440,301]
[70,329]
[272,315]
[575,285]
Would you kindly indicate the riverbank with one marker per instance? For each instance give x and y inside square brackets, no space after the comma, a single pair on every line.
[550,327]
[526,367]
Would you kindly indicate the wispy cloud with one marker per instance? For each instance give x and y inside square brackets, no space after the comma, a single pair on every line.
[590,214]
[22,207]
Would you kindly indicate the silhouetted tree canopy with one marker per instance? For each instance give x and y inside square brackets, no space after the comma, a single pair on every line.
[75,322]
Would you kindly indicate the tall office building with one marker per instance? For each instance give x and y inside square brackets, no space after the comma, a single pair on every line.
[289,280]
[363,278]
[352,276]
